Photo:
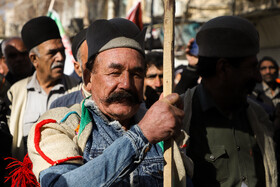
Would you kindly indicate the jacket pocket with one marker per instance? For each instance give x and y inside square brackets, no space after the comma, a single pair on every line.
[219,159]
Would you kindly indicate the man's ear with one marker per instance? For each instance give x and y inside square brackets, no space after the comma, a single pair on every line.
[86,75]
[34,59]
[222,66]
[78,69]
[88,80]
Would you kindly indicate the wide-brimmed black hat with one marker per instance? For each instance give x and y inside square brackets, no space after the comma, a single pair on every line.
[39,30]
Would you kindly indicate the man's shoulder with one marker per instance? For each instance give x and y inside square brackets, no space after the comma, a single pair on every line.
[19,88]
[60,112]
[68,99]
[70,96]
[257,108]
[258,89]
[21,83]
[71,83]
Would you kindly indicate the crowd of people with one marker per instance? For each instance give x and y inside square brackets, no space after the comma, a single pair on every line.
[108,129]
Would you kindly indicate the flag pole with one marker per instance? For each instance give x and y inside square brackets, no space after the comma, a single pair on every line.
[168,63]
[51,5]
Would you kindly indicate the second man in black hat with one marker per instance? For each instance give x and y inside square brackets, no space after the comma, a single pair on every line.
[32,96]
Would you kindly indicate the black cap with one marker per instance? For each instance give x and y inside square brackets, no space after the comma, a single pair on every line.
[77,41]
[114,33]
[228,36]
[39,30]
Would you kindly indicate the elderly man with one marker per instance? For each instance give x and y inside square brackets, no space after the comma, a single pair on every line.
[103,141]
[17,59]
[230,136]
[32,96]
[80,53]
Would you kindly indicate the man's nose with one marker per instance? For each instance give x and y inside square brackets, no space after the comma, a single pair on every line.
[125,81]
[60,56]
[158,81]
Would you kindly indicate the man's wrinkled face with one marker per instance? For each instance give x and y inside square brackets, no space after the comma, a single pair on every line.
[50,62]
[268,71]
[117,82]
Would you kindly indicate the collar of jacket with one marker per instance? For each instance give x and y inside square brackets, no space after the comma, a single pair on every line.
[85,117]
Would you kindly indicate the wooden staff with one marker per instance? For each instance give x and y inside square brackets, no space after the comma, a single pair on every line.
[51,5]
[168,62]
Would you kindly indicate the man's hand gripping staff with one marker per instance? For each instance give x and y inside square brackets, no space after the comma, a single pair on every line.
[164,119]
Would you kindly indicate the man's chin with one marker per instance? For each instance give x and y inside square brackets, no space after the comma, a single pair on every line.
[268,79]
[57,76]
[123,110]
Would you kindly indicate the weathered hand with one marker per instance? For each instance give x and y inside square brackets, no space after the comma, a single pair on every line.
[163,120]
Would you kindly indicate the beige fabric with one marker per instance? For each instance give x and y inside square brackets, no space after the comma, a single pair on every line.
[17,95]
[262,128]
[53,138]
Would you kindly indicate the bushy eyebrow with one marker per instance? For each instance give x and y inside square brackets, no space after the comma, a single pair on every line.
[54,51]
[121,67]
[116,66]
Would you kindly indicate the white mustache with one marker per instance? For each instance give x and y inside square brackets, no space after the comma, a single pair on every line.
[57,64]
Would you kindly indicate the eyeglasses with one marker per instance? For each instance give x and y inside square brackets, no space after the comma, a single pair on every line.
[267,67]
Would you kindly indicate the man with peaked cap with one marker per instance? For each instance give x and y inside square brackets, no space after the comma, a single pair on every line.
[103,141]
[32,96]
[230,135]
[80,53]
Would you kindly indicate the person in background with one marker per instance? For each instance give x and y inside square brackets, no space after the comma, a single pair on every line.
[153,83]
[267,93]
[3,66]
[17,59]
[188,78]
[79,49]
[31,97]
[231,136]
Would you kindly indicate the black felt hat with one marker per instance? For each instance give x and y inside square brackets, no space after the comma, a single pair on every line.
[77,41]
[114,33]
[228,36]
[39,30]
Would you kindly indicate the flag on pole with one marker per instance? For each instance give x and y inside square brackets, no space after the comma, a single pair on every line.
[54,15]
[135,15]
[69,62]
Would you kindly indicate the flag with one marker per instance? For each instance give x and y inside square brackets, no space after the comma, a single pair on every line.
[135,15]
